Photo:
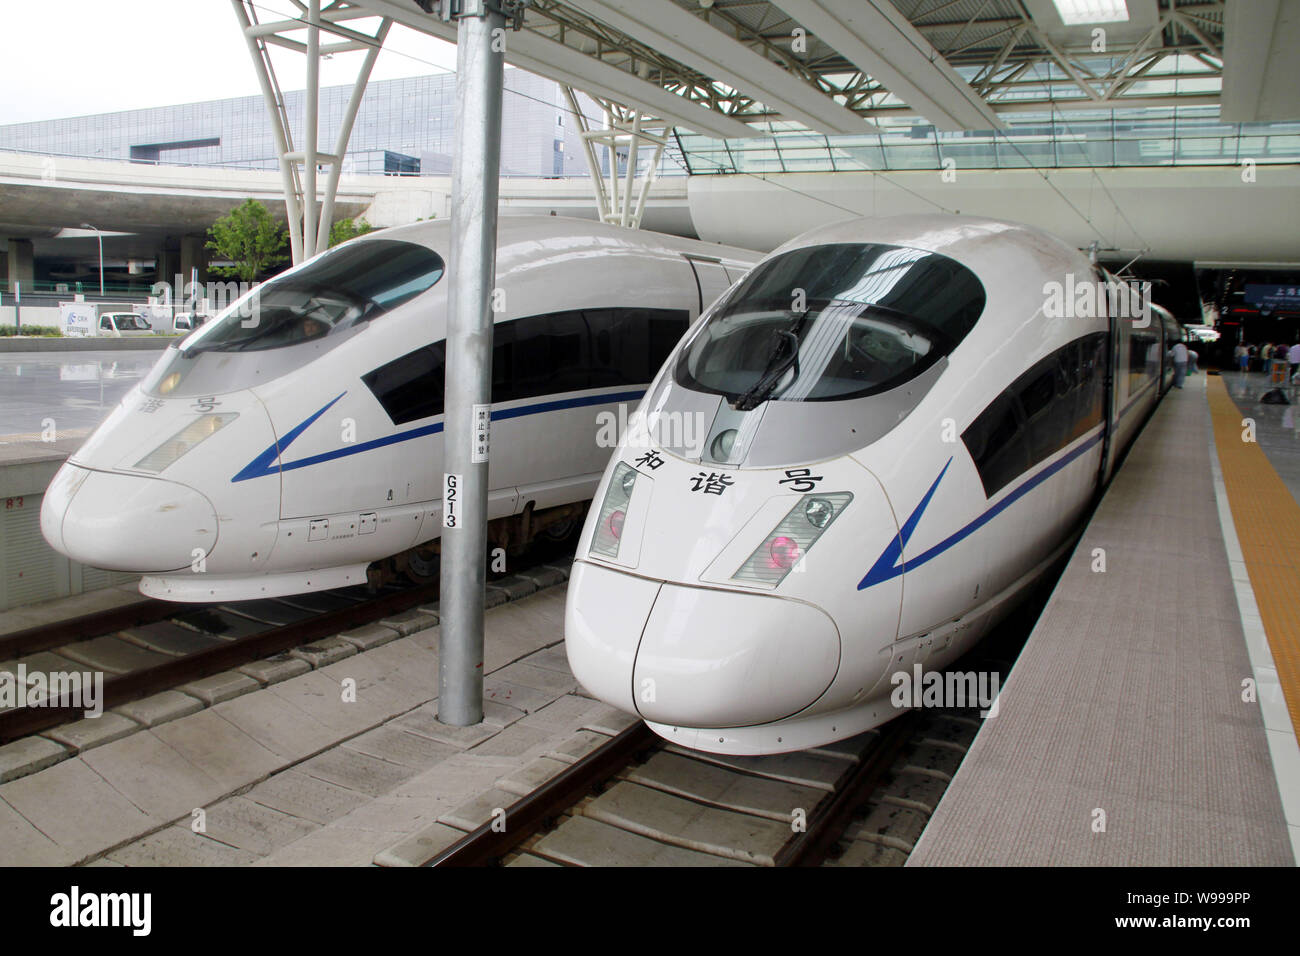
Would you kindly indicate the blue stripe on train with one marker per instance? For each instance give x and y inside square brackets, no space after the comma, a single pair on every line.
[888,565]
[267,463]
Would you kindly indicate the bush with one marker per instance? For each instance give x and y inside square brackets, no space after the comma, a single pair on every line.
[45,330]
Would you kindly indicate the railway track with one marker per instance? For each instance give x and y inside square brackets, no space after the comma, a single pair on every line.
[150,646]
[638,800]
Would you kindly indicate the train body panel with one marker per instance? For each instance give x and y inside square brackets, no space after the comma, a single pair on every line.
[901,423]
[308,417]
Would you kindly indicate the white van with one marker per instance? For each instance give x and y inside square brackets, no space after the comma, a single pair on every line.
[118,324]
[188,321]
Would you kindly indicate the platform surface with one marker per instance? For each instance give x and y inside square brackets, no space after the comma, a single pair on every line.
[1122,736]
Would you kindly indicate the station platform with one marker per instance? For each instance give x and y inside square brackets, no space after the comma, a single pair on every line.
[1150,718]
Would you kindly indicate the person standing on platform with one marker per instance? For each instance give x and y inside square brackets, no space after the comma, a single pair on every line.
[1242,355]
[1193,357]
[1179,354]
[1293,356]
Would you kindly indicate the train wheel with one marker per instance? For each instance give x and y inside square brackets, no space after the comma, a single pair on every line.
[423,565]
[561,530]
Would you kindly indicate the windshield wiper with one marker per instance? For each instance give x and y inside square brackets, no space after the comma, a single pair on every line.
[777,366]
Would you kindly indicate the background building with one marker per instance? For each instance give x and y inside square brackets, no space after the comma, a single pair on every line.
[404,127]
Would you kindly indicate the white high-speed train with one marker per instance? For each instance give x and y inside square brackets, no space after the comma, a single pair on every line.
[295,439]
[900,424]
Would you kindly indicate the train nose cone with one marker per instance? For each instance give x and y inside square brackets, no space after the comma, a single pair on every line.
[725,659]
[127,522]
[695,657]
[605,612]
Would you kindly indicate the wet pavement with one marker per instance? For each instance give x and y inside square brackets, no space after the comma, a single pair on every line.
[71,392]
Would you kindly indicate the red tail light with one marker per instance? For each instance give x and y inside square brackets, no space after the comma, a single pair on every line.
[784,552]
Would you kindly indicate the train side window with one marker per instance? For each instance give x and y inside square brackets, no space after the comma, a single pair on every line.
[628,346]
[618,346]
[410,388]
[1057,401]
[666,328]
[997,443]
[540,355]
[548,354]
[1092,364]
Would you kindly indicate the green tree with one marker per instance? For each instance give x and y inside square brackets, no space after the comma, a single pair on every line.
[346,229]
[249,238]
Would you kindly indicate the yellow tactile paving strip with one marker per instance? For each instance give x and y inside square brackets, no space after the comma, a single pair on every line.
[1268,527]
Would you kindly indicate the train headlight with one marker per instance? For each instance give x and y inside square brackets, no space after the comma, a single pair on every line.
[819,512]
[613,511]
[199,430]
[792,538]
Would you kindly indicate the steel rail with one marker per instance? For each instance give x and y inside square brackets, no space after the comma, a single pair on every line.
[120,689]
[491,841]
[42,637]
[832,815]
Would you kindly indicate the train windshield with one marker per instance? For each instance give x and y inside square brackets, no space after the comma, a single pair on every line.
[832,322]
[330,294]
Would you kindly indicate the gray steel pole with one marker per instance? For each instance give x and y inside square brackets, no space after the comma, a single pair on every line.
[472,259]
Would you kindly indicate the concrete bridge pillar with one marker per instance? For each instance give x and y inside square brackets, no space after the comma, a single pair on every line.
[193,255]
[21,263]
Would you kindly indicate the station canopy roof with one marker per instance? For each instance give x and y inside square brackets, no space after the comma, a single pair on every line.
[724,68]
[814,74]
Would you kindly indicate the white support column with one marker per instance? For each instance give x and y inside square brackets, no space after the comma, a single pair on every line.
[589,149]
[309,215]
[619,199]
[345,133]
[311,130]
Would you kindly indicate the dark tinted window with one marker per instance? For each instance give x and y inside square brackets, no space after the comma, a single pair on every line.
[1056,401]
[540,355]
[629,345]
[997,443]
[411,387]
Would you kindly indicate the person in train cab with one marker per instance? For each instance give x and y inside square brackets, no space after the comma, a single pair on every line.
[312,328]
[1242,355]
[1179,354]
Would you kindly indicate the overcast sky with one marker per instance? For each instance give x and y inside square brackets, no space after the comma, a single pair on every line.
[78,57]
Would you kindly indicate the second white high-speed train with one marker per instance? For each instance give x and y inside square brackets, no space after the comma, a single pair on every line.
[296,438]
[899,424]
